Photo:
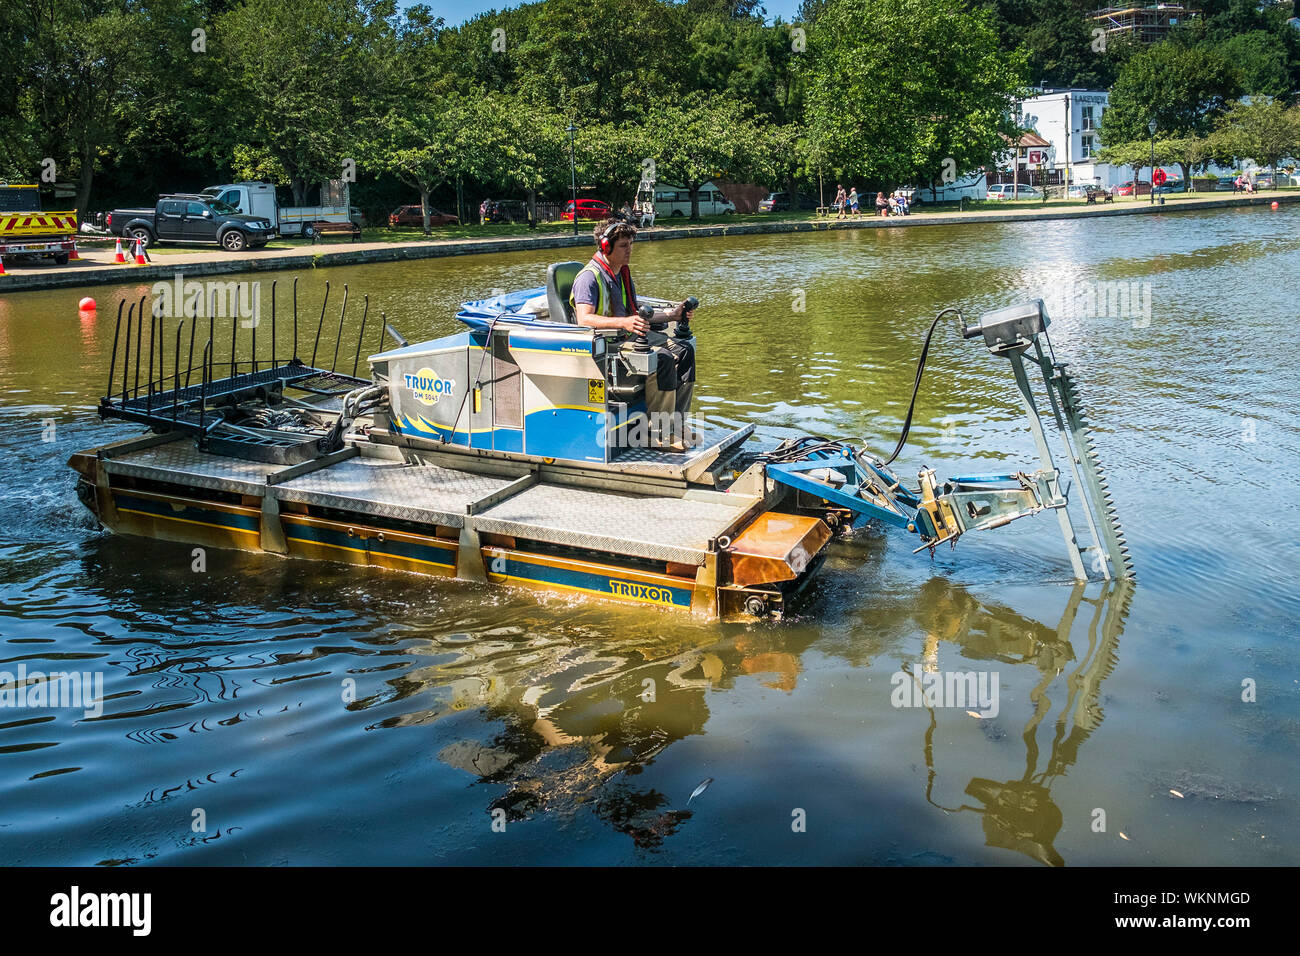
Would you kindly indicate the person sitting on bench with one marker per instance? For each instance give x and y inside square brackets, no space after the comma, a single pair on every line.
[604,297]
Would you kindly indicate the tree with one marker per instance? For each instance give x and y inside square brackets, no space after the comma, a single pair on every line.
[1182,88]
[78,74]
[428,141]
[1261,62]
[529,147]
[896,88]
[703,137]
[1185,152]
[1261,130]
[600,62]
[303,77]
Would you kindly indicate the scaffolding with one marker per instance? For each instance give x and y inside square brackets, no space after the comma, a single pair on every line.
[1149,24]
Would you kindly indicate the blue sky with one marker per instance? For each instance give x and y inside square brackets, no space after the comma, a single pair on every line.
[458,11]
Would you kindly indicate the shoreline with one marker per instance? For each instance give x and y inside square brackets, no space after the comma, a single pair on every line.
[205,263]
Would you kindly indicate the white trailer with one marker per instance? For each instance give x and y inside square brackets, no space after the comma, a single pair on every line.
[258,199]
[971,186]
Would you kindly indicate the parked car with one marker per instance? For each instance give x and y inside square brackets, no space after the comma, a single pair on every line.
[1126,189]
[506,210]
[780,202]
[1080,190]
[1265,182]
[413,216]
[1172,186]
[1225,183]
[190,217]
[1013,191]
[588,209]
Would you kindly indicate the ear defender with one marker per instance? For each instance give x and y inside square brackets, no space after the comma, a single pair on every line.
[605,244]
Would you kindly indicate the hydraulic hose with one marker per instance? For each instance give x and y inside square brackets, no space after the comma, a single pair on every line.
[916,386]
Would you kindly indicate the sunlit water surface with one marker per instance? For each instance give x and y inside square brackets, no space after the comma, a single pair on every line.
[267,711]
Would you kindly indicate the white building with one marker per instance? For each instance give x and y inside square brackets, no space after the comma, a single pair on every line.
[1070,120]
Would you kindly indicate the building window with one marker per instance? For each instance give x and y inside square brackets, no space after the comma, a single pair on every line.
[1089,117]
[1089,147]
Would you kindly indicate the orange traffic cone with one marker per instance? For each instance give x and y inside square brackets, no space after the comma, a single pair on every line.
[72,254]
[2,266]
[139,252]
[117,253]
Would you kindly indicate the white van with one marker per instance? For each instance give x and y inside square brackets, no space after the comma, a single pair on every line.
[676,201]
[258,199]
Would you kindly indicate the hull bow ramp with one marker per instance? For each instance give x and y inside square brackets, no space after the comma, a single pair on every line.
[518,452]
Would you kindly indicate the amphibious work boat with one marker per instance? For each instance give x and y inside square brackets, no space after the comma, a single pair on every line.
[514,453]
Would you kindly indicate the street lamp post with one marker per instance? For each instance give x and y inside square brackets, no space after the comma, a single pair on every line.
[1152,127]
[573,176]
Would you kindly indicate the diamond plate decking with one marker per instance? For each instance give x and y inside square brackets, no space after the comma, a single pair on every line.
[179,462]
[664,529]
[392,489]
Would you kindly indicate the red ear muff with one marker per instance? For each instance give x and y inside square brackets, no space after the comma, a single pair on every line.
[605,244]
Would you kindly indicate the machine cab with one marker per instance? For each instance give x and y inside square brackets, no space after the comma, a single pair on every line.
[526,379]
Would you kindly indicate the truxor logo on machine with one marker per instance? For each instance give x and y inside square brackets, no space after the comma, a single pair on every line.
[427,386]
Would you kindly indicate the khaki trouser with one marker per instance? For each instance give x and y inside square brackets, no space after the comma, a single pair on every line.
[668,393]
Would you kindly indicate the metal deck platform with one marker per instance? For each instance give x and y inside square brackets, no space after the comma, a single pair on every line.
[661,528]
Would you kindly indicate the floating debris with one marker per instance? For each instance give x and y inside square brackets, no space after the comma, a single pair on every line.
[704,785]
[1177,794]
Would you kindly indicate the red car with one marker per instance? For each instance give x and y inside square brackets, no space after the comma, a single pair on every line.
[1126,189]
[588,209]
[412,216]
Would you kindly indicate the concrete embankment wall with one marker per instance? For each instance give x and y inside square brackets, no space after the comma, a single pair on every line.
[165,267]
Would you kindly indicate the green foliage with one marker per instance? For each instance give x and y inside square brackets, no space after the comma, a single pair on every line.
[895,87]
[1184,88]
[1260,58]
[302,78]
[702,137]
[1261,130]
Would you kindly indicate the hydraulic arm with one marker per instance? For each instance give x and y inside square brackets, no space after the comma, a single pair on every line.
[941,512]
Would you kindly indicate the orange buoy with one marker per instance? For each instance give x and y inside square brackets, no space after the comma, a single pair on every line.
[117,253]
[1274,204]
[87,304]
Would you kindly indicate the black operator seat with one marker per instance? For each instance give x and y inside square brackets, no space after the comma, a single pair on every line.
[624,384]
[559,285]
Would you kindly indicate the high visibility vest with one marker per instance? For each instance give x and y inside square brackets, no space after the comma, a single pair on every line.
[602,295]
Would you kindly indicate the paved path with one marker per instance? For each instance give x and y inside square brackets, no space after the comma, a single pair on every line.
[97,265]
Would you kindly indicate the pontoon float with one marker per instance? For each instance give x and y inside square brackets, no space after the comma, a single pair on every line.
[513,453]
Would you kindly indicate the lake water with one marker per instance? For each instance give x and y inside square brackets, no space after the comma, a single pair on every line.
[265,711]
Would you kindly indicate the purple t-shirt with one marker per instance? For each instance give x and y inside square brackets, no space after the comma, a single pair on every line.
[584,291]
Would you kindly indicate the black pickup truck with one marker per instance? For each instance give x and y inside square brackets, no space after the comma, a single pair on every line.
[185,217]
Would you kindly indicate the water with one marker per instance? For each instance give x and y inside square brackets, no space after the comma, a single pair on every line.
[268,711]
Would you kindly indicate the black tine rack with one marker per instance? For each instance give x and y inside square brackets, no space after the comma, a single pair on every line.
[265,407]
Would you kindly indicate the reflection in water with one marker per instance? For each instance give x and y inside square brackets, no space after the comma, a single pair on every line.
[574,723]
[1020,814]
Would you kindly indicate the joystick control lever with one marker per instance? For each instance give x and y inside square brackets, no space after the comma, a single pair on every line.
[683,330]
[641,343]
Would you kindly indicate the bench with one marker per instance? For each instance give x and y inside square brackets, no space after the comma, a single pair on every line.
[318,229]
[1105,195]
